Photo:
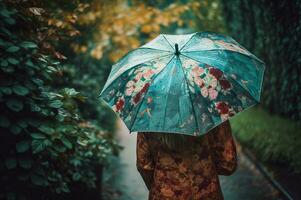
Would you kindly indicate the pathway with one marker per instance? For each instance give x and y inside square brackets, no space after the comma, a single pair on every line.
[123,182]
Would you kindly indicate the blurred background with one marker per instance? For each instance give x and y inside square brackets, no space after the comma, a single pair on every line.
[58,141]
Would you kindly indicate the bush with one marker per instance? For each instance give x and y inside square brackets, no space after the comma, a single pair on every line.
[46,143]
[272,31]
[272,138]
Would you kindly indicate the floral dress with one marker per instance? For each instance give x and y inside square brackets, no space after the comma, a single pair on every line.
[187,175]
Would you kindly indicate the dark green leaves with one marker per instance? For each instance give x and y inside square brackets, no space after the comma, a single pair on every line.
[28,45]
[38,136]
[13,61]
[25,163]
[13,49]
[67,143]
[20,90]
[23,146]
[15,104]
[4,121]
[10,163]
[56,104]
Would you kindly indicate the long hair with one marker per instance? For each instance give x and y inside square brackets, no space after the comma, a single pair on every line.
[177,142]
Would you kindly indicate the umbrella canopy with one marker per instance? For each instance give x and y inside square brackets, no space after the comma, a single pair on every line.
[185,84]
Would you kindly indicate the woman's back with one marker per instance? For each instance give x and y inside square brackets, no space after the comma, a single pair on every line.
[186,174]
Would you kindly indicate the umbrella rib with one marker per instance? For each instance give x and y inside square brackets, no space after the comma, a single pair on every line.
[135,116]
[188,41]
[252,56]
[195,118]
[166,101]
[167,41]
[133,68]
[224,73]
[153,49]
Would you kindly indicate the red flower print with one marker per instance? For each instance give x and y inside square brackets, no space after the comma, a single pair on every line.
[145,87]
[222,107]
[225,84]
[119,105]
[137,97]
[215,72]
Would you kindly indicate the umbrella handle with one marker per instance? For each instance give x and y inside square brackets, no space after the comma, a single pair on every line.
[177,49]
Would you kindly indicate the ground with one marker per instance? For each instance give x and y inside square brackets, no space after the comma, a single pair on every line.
[123,182]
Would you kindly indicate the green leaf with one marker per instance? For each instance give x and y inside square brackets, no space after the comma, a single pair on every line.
[56,104]
[13,49]
[37,81]
[23,123]
[23,146]
[10,163]
[4,63]
[20,90]
[71,91]
[6,90]
[46,129]
[13,61]
[15,129]
[28,45]
[15,104]
[25,163]
[4,122]
[67,142]
[10,21]
[37,136]
[40,145]
[9,69]
[37,180]
[76,176]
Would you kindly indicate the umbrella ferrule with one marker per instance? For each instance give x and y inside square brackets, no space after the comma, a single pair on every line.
[177,49]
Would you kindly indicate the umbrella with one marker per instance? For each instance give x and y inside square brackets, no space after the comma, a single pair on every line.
[186,84]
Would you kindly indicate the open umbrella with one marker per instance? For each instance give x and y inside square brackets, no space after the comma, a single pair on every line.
[184,84]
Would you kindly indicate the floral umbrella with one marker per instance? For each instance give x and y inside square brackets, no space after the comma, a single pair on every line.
[184,84]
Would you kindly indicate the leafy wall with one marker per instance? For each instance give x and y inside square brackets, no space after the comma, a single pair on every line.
[272,31]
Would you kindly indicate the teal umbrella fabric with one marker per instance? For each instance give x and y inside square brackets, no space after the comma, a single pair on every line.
[185,84]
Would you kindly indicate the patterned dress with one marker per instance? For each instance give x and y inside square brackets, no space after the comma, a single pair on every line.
[187,175]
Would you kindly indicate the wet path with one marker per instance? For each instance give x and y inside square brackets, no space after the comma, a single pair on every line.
[123,182]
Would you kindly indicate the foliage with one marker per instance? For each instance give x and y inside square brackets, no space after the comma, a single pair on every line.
[272,138]
[46,143]
[272,30]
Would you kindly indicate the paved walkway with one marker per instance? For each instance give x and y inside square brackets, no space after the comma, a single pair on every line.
[123,182]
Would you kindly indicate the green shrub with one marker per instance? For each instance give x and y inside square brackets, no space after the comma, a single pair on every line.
[46,144]
[272,31]
[272,138]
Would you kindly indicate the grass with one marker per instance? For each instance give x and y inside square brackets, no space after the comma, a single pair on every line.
[271,137]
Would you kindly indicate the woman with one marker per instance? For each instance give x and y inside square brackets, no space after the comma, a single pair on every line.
[182,167]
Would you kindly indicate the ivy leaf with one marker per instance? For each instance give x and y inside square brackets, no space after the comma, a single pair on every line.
[67,142]
[15,129]
[4,63]
[28,45]
[23,146]
[4,122]
[56,104]
[13,61]
[13,49]
[10,163]
[39,145]
[37,136]
[14,104]
[25,163]
[20,90]
[46,129]
[37,180]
